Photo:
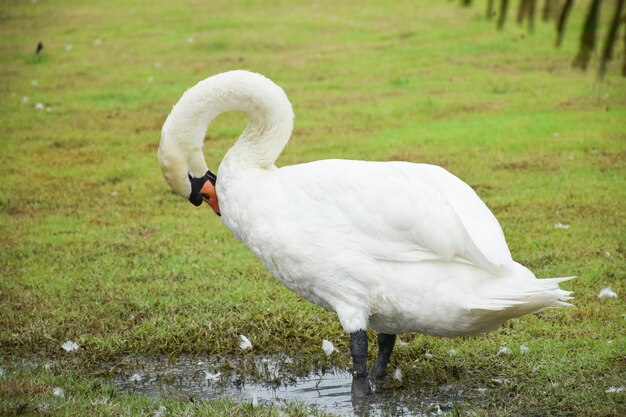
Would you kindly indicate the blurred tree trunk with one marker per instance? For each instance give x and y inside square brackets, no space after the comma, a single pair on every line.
[560,26]
[490,12]
[555,8]
[546,12]
[531,7]
[521,11]
[624,63]
[588,37]
[504,7]
[611,36]
[526,10]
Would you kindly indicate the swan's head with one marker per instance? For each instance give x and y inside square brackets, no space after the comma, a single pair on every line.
[185,170]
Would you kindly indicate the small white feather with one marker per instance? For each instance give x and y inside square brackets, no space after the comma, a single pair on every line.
[504,351]
[245,343]
[397,374]
[607,292]
[209,376]
[452,352]
[70,346]
[328,347]
[561,226]
[615,389]
[58,392]
[135,378]
[523,349]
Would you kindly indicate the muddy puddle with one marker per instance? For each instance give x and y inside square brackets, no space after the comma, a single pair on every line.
[273,381]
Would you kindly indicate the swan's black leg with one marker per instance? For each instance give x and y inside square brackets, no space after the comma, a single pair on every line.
[358,350]
[385,347]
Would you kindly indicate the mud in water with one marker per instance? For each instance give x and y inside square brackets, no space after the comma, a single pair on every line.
[272,381]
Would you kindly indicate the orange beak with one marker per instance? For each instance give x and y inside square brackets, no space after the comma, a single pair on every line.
[209,195]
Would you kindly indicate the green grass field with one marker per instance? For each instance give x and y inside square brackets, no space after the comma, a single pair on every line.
[95,248]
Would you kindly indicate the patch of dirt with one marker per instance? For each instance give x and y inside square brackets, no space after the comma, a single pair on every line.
[465,109]
[532,162]
[607,160]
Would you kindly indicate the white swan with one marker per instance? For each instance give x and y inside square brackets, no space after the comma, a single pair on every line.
[393,246]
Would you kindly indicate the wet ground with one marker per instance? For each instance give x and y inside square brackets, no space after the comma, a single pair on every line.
[271,380]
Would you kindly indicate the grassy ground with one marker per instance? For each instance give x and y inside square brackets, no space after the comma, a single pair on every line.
[96,249]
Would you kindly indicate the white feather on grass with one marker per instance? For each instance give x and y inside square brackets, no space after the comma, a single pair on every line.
[503,351]
[607,292]
[70,346]
[523,349]
[58,392]
[245,343]
[328,347]
[397,374]
[615,389]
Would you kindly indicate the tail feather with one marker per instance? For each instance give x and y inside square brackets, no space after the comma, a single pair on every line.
[516,298]
[524,296]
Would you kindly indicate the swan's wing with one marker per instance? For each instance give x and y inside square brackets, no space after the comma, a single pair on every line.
[488,245]
[400,212]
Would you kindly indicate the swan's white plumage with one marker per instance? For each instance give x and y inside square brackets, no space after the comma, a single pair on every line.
[396,246]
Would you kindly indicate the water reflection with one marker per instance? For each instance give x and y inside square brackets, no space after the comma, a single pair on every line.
[272,380]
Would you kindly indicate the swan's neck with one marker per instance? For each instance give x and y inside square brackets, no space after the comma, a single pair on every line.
[267,106]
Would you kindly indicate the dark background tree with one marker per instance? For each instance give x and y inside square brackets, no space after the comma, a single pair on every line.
[504,8]
[611,37]
[490,12]
[526,11]
[560,11]
[560,26]
[588,37]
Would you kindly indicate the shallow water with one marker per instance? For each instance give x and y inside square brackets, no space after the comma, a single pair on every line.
[270,380]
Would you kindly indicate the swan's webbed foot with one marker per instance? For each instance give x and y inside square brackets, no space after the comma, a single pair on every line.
[360,389]
[385,347]
[358,350]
